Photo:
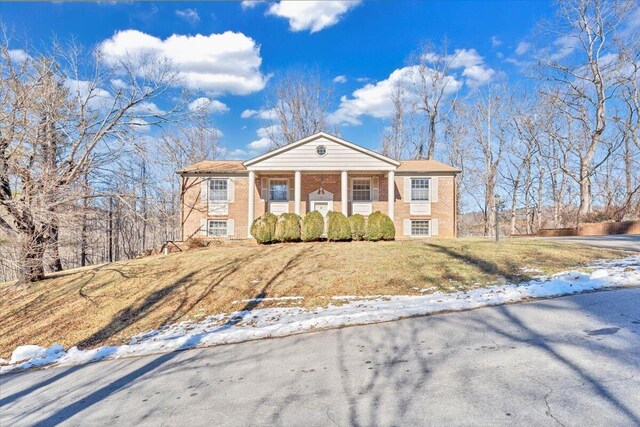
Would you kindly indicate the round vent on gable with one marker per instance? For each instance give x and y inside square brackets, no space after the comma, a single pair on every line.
[321,150]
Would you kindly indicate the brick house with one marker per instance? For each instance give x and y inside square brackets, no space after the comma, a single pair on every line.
[221,198]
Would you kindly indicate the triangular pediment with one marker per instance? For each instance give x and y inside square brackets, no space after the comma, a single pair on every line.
[322,152]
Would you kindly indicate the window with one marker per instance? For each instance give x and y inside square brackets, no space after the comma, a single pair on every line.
[361,190]
[321,150]
[217,228]
[218,190]
[279,190]
[420,227]
[420,189]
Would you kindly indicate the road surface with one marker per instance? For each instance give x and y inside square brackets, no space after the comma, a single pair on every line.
[627,242]
[566,361]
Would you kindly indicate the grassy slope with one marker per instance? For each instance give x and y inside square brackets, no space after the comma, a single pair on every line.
[109,303]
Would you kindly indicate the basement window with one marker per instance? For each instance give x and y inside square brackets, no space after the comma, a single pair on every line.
[217,228]
[420,227]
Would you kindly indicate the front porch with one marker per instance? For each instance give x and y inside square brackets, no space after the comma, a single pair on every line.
[297,191]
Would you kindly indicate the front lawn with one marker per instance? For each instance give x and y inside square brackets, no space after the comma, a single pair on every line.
[109,303]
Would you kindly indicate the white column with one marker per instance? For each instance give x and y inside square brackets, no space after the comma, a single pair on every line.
[344,192]
[252,201]
[391,196]
[297,191]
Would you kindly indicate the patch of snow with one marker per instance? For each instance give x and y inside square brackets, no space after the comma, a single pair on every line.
[279,321]
[530,270]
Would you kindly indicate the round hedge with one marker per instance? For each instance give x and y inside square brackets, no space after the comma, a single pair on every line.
[358,226]
[338,228]
[263,228]
[380,227]
[288,228]
[312,226]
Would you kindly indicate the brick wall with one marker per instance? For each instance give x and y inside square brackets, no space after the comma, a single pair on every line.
[193,210]
[594,229]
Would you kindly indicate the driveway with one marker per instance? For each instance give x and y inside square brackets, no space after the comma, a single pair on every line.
[626,242]
[566,361]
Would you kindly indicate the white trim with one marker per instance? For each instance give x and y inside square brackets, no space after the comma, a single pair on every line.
[316,136]
[420,235]
[269,188]
[362,178]
[362,208]
[251,211]
[297,194]
[226,227]
[344,192]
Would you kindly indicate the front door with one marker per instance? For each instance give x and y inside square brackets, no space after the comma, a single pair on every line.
[322,207]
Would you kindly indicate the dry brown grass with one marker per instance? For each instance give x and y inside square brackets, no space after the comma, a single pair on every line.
[109,303]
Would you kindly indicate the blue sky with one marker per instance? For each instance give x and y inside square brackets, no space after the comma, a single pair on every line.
[365,42]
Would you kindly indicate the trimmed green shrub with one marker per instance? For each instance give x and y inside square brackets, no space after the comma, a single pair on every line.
[358,226]
[380,227]
[312,226]
[288,228]
[338,227]
[263,228]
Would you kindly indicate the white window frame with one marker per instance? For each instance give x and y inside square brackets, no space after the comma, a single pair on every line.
[213,191]
[353,190]
[222,221]
[286,183]
[428,180]
[428,221]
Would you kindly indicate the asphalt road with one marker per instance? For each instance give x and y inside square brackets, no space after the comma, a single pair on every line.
[627,242]
[567,361]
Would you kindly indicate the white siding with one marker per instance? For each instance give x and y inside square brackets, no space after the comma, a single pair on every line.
[278,208]
[362,208]
[338,157]
[420,208]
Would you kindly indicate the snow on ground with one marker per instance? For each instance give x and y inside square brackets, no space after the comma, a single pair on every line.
[277,322]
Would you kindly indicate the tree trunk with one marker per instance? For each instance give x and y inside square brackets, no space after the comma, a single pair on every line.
[432,136]
[32,256]
[54,244]
[585,192]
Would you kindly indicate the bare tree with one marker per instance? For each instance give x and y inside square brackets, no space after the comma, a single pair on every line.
[434,85]
[298,105]
[583,65]
[57,124]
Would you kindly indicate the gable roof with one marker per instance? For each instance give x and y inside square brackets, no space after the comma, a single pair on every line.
[314,137]
[214,166]
[425,166]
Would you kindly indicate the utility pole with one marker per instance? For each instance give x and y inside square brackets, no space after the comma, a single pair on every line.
[110,230]
[496,212]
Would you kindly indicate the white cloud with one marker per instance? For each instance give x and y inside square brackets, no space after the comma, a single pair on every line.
[189,15]
[259,144]
[250,4]
[263,142]
[119,84]
[564,45]
[147,108]
[340,79]
[472,64]
[210,105]
[219,63]
[495,41]
[269,114]
[311,15]
[96,98]
[372,99]
[523,47]
[18,55]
